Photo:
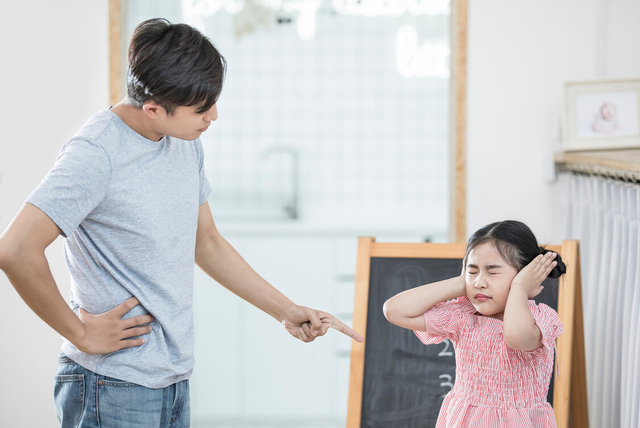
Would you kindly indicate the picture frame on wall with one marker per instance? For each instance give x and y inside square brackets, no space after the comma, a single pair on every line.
[601,115]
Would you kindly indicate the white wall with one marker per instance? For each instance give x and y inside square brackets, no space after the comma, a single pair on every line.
[54,75]
[520,53]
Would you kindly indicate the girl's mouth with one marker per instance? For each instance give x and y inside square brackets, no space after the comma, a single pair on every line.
[481,297]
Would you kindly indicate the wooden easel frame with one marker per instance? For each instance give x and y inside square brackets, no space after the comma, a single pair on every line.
[570,387]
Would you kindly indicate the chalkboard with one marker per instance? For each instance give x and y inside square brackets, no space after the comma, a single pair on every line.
[396,381]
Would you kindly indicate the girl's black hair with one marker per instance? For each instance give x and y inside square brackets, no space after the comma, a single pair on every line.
[174,65]
[515,242]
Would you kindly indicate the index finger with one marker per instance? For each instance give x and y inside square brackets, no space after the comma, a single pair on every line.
[341,327]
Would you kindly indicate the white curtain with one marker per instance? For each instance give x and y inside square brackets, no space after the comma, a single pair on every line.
[604,214]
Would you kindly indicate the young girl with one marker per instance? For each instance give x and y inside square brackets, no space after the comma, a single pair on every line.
[504,342]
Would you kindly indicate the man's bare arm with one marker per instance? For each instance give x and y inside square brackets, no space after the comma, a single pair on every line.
[23,260]
[215,256]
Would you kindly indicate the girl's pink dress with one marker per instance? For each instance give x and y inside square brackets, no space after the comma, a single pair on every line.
[496,386]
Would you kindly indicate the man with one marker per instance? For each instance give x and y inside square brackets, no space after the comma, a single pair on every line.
[129,194]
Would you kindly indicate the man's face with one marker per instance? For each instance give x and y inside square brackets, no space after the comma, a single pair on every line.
[185,122]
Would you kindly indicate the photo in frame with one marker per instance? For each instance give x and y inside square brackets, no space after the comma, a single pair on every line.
[601,115]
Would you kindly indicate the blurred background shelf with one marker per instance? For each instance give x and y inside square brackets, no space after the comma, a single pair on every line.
[619,164]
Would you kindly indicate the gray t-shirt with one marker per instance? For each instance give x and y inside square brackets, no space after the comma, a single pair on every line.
[128,208]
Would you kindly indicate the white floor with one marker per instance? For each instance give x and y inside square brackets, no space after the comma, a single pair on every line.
[267,424]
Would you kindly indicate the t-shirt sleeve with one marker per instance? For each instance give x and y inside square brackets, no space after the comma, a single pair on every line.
[548,322]
[74,187]
[444,321]
[205,186]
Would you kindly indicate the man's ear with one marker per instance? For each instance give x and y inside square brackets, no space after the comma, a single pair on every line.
[153,109]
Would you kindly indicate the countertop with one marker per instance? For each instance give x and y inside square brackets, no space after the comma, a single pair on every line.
[347,228]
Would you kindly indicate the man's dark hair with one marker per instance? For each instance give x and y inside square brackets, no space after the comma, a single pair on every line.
[173,65]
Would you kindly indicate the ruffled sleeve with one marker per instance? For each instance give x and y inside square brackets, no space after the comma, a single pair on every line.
[548,322]
[445,320]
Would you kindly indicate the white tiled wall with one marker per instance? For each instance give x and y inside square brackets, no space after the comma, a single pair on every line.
[370,142]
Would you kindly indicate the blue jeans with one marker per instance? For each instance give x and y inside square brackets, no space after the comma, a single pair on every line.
[84,399]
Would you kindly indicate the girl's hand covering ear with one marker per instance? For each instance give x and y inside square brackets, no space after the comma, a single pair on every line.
[530,278]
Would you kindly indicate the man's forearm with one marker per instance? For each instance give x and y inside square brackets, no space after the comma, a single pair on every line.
[30,275]
[216,257]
